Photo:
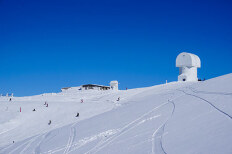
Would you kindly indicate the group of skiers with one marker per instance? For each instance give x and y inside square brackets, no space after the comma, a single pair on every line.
[50,122]
[44,104]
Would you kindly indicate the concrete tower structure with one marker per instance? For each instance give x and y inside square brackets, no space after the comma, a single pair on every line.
[114,85]
[188,64]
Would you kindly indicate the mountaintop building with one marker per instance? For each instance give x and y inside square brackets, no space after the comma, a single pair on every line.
[113,86]
[188,64]
[94,87]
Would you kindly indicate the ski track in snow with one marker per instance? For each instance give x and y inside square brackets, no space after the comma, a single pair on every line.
[82,142]
[71,138]
[206,92]
[37,148]
[122,131]
[158,134]
[68,145]
[126,128]
[27,143]
[211,104]
[6,131]
[157,139]
[95,137]
[5,148]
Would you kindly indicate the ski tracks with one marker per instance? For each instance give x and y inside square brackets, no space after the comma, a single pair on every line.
[206,92]
[157,145]
[37,148]
[210,103]
[124,130]
[27,143]
[71,139]
[69,144]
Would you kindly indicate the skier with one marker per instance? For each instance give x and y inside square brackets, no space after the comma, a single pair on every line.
[77,114]
[49,123]
[33,110]
[47,105]
[118,99]
[10,99]
[82,100]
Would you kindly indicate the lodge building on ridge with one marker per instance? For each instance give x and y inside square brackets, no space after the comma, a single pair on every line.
[113,86]
[95,86]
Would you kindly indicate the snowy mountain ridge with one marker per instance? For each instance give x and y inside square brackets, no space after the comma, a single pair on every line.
[178,117]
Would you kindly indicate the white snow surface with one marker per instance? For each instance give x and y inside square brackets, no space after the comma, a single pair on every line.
[173,118]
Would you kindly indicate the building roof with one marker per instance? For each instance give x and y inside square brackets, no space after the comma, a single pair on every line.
[188,59]
[66,88]
[94,85]
[113,82]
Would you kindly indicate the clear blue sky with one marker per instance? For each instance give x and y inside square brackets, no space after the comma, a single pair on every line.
[49,44]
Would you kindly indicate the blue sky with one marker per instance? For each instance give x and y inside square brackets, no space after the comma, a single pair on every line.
[49,44]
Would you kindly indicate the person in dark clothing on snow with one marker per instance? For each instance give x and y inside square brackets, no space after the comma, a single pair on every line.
[33,110]
[49,123]
[47,105]
[77,114]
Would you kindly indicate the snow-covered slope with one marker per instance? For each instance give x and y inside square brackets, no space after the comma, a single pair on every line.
[175,118]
